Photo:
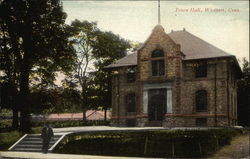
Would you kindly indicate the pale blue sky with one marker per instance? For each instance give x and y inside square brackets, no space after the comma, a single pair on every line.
[134,20]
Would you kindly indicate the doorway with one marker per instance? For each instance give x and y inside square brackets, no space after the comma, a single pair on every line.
[157,104]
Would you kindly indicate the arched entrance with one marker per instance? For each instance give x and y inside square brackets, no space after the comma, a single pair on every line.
[157,104]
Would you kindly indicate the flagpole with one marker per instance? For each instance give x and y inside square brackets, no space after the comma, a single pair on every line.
[159,13]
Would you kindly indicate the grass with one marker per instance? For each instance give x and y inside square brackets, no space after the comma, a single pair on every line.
[8,139]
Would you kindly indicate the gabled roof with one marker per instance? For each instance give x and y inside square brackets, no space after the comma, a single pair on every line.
[191,46]
[194,47]
[129,60]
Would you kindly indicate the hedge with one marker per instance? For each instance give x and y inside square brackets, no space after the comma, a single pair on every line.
[157,143]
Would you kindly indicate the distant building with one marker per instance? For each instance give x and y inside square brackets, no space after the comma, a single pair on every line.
[90,115]
[175,79]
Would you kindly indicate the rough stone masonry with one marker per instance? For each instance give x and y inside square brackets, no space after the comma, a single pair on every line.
[175,80]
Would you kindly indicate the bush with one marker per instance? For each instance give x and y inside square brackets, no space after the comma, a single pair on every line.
[158,143]
[5,124]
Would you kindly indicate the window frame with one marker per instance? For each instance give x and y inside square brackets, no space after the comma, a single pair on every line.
[158,67]
[131,74]
[157,63]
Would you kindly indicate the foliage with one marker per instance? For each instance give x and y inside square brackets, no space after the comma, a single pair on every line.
[7,139]
[5,124]
[159,143]
[83,35]
[244,94]
[38,40]
[95,49]
[108,48]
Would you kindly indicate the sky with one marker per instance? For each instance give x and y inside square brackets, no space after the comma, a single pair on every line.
[225,24]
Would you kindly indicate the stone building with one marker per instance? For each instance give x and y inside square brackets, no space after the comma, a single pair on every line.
[174,80]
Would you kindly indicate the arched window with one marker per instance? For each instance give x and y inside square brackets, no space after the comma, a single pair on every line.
[158,66]
[131,102]
[201,101]
[157,53]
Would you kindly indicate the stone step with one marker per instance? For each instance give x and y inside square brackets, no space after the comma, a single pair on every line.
[33,143]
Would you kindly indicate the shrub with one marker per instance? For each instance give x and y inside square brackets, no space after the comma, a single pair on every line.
[157,143]
[5,124]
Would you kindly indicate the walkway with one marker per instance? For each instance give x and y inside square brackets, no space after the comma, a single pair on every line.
[238,149]
[33,155]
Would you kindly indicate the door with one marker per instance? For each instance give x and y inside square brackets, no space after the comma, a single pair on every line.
[157,105]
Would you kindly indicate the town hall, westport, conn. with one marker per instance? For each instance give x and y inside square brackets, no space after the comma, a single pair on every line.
[175,80]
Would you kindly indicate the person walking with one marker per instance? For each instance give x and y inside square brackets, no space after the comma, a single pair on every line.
[47,134]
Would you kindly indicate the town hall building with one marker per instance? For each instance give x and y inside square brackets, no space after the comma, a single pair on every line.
[175,80]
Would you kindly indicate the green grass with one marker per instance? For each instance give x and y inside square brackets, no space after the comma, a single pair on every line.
[160,143]
[9,138]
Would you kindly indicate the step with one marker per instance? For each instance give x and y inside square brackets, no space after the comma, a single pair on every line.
[33,143]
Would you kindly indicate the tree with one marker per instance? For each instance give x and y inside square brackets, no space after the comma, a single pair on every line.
[83,36]
[9,75]
[40,43]
[108,48]
[244,95]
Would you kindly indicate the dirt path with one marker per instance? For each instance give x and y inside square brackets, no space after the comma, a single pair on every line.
[239,149]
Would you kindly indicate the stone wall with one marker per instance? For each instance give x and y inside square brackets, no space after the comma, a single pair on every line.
[120,89]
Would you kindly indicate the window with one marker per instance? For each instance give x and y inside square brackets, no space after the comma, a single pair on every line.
[131,74]
[201,101]
[157,53]
[201,121]
[131,101]
[158,68]
[201,70]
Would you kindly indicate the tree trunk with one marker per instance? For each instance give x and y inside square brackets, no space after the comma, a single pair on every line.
[25,125]
[84,117]
[105,114]
[14,118]
[84,109]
